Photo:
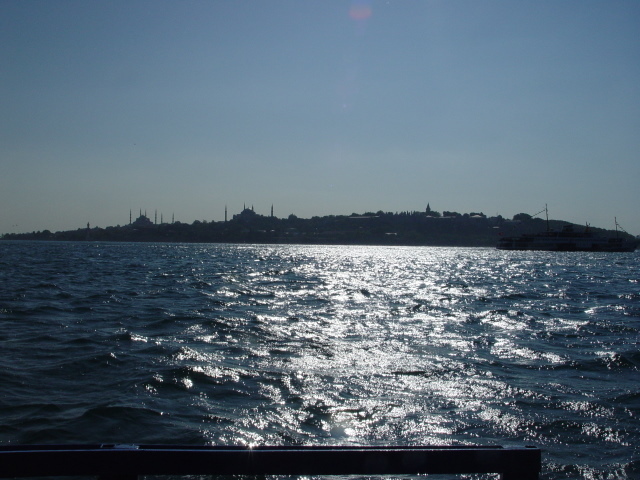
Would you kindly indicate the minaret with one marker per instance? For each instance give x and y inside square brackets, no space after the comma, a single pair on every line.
[129,216]
[173,219]
[161,221]
[225,214]
[272,210]
[155,219]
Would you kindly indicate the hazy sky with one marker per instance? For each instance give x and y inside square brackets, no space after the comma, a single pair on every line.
[318,107]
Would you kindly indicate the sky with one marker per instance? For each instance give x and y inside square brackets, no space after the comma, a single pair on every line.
[317,107]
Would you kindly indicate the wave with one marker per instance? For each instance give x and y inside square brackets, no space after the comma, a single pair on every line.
[254,344]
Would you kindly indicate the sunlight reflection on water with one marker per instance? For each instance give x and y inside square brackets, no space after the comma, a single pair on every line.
[334,345]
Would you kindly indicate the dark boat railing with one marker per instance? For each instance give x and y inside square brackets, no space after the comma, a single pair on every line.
[127,462]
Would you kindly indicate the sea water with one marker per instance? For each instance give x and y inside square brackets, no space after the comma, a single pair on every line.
[324,345]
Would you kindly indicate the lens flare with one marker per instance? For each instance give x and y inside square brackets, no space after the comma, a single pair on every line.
[360,11]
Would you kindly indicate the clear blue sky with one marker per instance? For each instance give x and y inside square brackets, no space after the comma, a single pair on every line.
[318,107]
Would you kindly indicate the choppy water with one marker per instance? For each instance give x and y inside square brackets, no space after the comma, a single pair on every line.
[237,344]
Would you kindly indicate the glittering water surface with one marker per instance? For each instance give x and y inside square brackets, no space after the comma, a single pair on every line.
[237,344]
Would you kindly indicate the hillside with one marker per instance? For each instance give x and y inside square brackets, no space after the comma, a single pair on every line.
[406,228]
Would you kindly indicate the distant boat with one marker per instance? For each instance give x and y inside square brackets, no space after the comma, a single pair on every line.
[568,240]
